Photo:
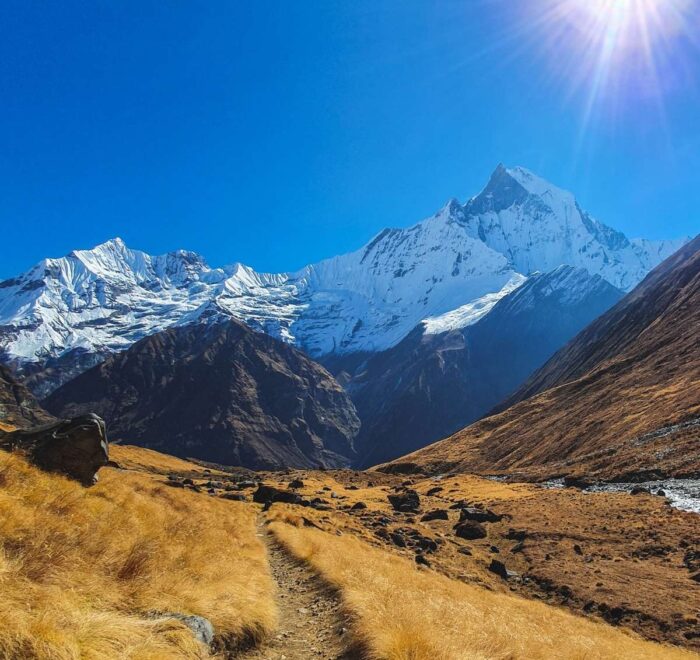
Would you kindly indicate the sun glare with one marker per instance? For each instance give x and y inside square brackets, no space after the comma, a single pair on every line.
[617,51]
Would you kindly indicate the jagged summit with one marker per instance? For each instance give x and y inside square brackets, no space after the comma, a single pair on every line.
[103,299]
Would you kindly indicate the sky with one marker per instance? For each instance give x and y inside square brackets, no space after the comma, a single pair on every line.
[278,133]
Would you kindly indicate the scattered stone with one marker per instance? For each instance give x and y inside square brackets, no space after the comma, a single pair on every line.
[577,549]
[470,530]
[269,494]
[351,487]
[201,628]
[296,483]
[408,501]
[357,506]
[518,547]
[422,561]
[571,481]
[435,490]
[639,490]
[435,514]
[494,549]
[499,568]
[246,484]
[465,551]
[397,539]
[479,515]
[236,497]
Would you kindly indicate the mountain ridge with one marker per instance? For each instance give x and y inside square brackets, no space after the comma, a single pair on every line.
[79,308]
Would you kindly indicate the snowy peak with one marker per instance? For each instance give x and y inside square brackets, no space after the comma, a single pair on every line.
[448,270]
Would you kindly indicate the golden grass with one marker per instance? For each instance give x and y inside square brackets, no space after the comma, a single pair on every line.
[82,571]
[402,613]
[139,458]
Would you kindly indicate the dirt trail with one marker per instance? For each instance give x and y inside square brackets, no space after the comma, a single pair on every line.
[311,622]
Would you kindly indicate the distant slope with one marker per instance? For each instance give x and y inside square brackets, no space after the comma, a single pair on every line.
[18,407]
[617,330]
[222,393]
[633,372]
[430,385]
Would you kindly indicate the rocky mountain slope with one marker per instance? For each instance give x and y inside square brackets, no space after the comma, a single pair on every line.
[18,407]
[433,384]
[623,401]
[218,392]
[64,315]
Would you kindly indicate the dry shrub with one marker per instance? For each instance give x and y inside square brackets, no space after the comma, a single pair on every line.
[82,571]
[402,613]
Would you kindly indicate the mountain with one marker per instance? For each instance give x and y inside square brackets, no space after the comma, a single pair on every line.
[18,407]
[65,315]
[435,382]
[623,397]
[219,392]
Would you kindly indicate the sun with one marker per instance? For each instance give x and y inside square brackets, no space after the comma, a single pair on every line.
[611,53]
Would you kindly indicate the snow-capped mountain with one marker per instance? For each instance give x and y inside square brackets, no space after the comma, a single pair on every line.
[435,382]
[92,302]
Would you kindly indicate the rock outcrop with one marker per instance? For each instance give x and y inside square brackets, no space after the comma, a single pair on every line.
[75,447]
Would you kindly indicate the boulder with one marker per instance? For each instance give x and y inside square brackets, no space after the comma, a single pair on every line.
[269,494]
[479,515]
[357,506]
[470,530]
[435,514]
[407,501]
[75,447]
[499,568]
[296,483]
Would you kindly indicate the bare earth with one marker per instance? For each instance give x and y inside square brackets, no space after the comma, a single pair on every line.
[311,621]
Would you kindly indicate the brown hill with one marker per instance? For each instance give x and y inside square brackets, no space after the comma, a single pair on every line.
[221,393]
[623,397]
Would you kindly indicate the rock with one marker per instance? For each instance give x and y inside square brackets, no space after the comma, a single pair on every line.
[639,490]
[397,539]
[421,560]
[577,549]
[435,490]
[201,628]
[242,485]
[516,534]
[465,551]
[269,494]
[351,487]
[576,482]
[494,549]
[75,447]
[470,530]
[236,497]
[357,506]
[518,547]
[407,501]
[435,514]
[479,515]
[661,492]
[320,505]
[499,568]
[296,483]
[696,577]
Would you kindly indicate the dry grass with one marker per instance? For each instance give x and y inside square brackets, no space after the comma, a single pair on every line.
[82,571]
[139,458]
[403,613]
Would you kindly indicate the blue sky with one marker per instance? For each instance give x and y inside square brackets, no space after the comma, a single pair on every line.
[279,133]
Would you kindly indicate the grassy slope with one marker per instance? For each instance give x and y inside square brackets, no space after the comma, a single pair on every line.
[400,612]
[83,570]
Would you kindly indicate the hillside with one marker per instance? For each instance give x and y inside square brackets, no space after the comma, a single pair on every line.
[110,572]
[221,393]
[435,382]
[18,407]
[620,390]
